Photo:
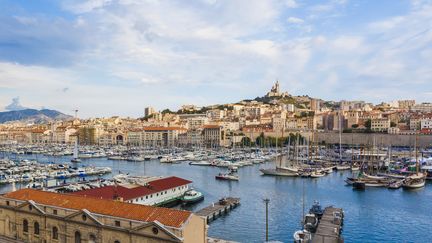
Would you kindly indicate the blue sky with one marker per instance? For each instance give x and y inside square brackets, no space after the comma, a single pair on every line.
[114,57]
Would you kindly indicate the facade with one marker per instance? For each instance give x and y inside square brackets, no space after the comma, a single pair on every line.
[426,123]
[161,136]
[393,130]
[38,216]
[423,107]
[191,138]
[197,122]
[315,105]
[148,111]
[406,104]
[212,135]
[380,125]
[154,136]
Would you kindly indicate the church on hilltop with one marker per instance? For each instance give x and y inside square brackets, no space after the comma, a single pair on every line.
[275,91]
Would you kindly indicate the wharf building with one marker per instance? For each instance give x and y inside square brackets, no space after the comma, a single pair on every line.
[37,216]
[154,193]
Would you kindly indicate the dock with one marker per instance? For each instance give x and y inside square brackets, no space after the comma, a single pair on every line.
[219,208]
[330,226]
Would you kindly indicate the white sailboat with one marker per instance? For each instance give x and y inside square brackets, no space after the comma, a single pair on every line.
[419,179]
[75,158]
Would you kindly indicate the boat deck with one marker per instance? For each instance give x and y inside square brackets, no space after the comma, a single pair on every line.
[330,227]
[217,209]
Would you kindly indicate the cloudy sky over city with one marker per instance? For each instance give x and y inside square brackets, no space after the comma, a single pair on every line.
[114,57]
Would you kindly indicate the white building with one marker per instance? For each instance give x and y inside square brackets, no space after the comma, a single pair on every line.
[426,123]
[380,124]
[157,192]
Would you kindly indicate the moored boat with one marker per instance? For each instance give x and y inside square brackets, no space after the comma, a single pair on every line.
[229,177]
[191,196]
[395,184]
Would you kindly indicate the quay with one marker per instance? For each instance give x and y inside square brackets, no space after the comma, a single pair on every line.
[330,226]
[218,208]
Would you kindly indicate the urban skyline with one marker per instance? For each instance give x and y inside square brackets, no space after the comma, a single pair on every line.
[79,53]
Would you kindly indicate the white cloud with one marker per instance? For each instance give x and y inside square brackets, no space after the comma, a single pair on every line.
[295,20]
[291,3]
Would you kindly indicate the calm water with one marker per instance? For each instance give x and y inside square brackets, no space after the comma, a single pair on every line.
[374,215]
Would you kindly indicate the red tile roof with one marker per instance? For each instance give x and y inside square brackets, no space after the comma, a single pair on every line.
[163,128]
[110,192]
[211,126]
[169,217]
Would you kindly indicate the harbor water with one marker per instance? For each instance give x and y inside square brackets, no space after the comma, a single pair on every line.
[373,215]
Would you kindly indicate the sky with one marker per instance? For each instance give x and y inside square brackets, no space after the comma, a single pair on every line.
[115,57]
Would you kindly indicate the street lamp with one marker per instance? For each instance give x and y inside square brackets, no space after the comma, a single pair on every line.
[266,201]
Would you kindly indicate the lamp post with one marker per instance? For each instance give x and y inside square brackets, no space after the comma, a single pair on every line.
[266,201]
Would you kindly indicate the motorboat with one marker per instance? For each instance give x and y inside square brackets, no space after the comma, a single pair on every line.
[316,209]
[191,196]
[302,236]
[229,177]
[343,167]
[317,174]
[200,163]
[310,222]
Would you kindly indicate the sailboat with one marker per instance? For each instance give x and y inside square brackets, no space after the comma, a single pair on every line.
[280,170]
[75,158]
[419,179]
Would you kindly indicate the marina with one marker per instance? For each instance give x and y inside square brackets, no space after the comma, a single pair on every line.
[286,195]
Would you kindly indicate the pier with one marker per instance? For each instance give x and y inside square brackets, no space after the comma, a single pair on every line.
[330,226]
[219,208]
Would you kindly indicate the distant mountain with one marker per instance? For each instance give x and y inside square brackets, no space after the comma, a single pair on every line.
[33,116]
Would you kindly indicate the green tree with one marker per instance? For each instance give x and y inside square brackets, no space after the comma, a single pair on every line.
[368,124]
[166,111]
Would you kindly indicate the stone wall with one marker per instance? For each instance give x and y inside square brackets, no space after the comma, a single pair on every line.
[359,138]
[380,139]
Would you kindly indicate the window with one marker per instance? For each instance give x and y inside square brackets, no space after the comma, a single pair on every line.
[25,226]
[7,203]
[55,233]
[30,207]
[117,223]
[117,241]
[77,237]
[92,238]
[146,197]
[84,217]
[155,230]
[36,228]
[55,211]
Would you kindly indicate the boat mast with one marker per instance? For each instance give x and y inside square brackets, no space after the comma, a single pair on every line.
[416,153]
[340,138]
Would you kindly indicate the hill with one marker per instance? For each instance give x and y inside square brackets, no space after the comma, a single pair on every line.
[32,116]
